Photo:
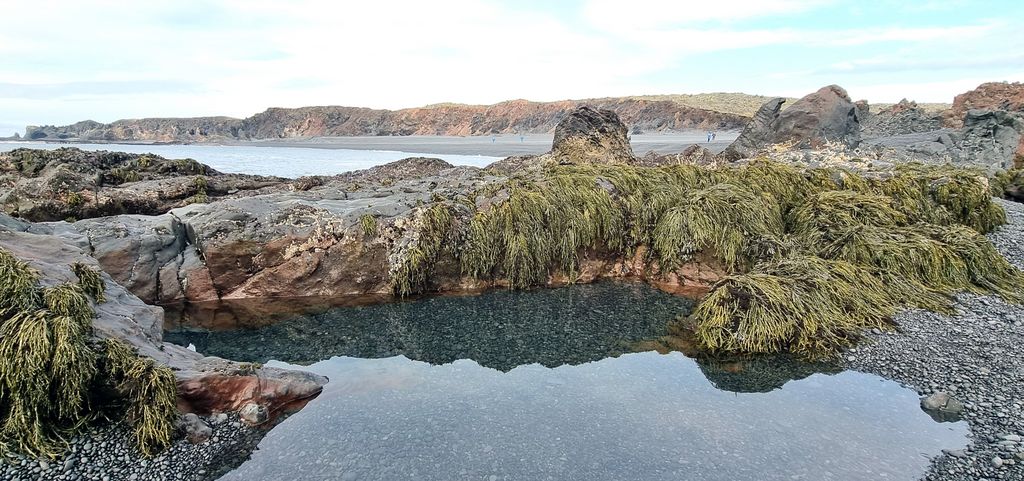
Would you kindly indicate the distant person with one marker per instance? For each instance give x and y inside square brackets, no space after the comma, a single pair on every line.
[709,137]
[520,138]
[493,139]
[712,135]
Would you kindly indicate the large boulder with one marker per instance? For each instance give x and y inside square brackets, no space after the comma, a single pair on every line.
[827,115]
[591,136]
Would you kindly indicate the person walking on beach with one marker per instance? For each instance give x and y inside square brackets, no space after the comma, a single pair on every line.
[712,135]
[709,137]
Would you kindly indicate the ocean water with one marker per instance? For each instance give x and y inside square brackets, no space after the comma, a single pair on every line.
[280,161]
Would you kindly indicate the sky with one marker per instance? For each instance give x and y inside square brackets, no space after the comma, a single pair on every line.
[65,61]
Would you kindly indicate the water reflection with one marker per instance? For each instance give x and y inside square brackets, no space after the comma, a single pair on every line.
[498,329]
[526,385]
[643,416]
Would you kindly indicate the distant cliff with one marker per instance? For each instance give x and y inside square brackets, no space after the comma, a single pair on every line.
[515,116]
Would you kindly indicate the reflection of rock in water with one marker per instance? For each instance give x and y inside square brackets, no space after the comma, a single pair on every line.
[760,374]
[498,329]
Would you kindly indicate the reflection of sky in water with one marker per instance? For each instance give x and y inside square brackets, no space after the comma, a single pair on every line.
[639,416]
[405,401]
[280,161]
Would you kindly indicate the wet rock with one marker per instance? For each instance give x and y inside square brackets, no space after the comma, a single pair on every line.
[196,431]
[942,407]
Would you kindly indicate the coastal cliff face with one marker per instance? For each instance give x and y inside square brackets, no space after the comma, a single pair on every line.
[512,117]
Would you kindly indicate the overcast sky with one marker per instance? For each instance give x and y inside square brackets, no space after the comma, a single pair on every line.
[64,61]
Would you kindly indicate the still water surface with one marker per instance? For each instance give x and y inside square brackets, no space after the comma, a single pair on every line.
[544,384]
[288,162]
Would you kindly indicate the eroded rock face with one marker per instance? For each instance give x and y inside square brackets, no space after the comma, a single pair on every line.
[49,185]
[201,380]
[827,115]
[990,140]
[988,96]
[511,117]
[592,136]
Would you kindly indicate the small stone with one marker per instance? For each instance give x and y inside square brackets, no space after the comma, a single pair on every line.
[997,461]
[196,431]
[253,413]
[956,453]
[1010,437]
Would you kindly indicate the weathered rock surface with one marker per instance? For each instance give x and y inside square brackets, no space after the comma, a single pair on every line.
[44,185]
[905,117]
[990,140]
[51,249]
[592,136]
[988,96]
[511,117]
[195,129]
[824,116]
[692,155]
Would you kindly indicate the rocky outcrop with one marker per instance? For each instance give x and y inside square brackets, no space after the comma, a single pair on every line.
[990,140]
[592,136]
[51,250]
[692,155]
[199,129]
[988,96]
[68,183]
[757,133]
[905,117]
[512,117]
[824,116]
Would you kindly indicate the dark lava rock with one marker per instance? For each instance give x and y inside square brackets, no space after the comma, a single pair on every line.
[589,135]
[905,117]
[827,115]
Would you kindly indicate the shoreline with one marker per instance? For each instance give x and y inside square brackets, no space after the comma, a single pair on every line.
[972,355]
[490,146]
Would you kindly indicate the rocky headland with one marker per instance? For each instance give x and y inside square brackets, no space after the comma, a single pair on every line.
[813,211]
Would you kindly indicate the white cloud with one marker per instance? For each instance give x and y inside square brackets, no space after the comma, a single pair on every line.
[237,57]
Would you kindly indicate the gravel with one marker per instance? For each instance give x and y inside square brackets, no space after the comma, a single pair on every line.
[109,454]
[976,357]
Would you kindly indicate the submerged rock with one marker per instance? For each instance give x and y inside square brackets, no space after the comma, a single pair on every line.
[942,407]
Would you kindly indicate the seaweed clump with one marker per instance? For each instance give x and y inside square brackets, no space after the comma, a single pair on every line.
[813,256]
[51,368]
